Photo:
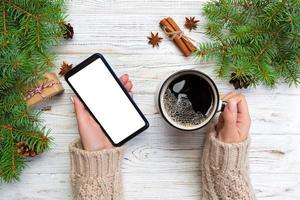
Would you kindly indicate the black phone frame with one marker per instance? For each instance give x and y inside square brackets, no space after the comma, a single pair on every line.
[85,63]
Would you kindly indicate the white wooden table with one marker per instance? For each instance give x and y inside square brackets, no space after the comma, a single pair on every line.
[160,163]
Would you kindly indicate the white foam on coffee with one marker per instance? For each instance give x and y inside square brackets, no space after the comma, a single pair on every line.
[180,110]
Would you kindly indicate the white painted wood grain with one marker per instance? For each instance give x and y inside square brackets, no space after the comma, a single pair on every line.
[160,163]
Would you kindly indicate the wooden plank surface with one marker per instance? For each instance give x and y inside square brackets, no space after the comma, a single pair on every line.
[161,163]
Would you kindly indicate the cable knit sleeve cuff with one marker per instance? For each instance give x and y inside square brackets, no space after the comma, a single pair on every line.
[95,163]
[226,156]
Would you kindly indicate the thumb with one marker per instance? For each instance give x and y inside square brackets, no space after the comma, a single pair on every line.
[81,113]
[230,114]
[229,117]
[229,132]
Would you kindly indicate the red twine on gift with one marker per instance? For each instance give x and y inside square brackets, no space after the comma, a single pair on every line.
[39,89]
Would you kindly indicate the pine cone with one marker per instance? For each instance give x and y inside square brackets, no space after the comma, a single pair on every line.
[24,151]
[69,31]
[241,82]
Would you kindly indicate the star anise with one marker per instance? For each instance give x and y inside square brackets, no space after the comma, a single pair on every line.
[65,67]
[154,40]
[191,23]
[69,31]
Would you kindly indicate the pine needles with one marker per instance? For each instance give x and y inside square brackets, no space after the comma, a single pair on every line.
[28,31]
[254,39]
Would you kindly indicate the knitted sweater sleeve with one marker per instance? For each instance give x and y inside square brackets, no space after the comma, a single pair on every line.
[95,175]
[224,170]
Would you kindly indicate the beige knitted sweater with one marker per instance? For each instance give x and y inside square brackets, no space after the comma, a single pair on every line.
[96,175]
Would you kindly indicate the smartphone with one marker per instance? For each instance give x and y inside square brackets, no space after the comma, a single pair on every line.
[106,99]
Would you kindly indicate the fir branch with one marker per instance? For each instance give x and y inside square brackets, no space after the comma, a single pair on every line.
[263,50]
[6,42]
[206,50]
[11,163]
[13,63]
[222,71]
[255,38]
[38,32]
[4,19]
[23,10]
[4,14]
[277,9]
[29,30]
[37,139]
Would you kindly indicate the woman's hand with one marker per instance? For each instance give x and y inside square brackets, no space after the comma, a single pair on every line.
[234,122]
[92,136]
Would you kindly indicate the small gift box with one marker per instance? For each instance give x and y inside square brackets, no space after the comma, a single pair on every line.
[47,88]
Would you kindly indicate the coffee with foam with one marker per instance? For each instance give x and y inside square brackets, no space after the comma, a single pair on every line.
[188,101]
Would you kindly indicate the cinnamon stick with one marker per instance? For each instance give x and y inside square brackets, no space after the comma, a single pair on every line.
[178,41]
[187,42]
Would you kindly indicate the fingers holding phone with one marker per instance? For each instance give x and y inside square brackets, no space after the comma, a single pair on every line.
[104,96]
[127,83]
[91,134]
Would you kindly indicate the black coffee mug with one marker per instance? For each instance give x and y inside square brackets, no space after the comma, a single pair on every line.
[188,100]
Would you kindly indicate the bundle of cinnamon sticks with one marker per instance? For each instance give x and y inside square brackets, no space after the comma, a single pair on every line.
[170,27]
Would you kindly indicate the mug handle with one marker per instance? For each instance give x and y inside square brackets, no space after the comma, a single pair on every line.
[222,105]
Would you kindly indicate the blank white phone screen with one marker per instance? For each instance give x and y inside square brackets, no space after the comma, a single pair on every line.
[107,101]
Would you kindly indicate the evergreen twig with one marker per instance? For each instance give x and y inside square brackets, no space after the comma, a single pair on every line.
[28,31]
[254,40]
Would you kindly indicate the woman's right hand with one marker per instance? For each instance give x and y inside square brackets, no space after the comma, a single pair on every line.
[234,122]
